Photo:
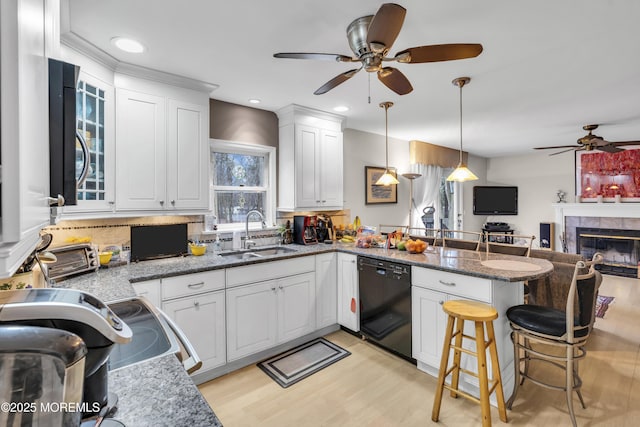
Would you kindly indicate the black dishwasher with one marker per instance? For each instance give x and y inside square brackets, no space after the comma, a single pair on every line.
[385,304]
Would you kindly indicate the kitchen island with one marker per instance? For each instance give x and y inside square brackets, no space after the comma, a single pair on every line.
[154,392]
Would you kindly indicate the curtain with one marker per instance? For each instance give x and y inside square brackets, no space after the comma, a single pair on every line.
[426,192]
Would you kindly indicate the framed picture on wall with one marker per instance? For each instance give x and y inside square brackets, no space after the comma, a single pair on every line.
[377,194]
[608,177]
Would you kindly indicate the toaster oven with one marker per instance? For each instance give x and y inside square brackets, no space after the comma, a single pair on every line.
[73,259]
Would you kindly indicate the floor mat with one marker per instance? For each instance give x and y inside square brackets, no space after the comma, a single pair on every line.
[602,304]
[298,363]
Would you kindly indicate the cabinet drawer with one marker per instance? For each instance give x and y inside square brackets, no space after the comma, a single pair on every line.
[269,270]
[191,284]
[452,283]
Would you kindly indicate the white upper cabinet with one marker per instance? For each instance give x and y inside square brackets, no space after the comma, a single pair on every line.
[310,160]
[161,147]
[24,136]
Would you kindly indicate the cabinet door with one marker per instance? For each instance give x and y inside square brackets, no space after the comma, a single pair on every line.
[24,132]
[202,319]
[94,120]
[428,323]
[251,319]
[140,150]
[331,172]
[150,289]
[348,296]
[307,140]
[296,306]
[326,290]
[187,155]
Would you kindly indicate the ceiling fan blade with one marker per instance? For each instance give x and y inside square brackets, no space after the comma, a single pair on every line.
[564,151]
[385,27]
[616,143]
[439,52]
[317,56]
[395,80]
[609,148]
[339,79]
[557,146]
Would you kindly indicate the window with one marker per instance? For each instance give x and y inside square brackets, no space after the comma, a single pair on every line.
[243,179]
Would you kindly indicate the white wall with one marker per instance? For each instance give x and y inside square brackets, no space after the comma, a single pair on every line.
[367,149]
[538,177]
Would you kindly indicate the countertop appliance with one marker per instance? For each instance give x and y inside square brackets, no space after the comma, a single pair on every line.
[154,335]
[385,304]
[158,241]
[40,366]
[81,314]
[72,260]
[304,229]
[63,176]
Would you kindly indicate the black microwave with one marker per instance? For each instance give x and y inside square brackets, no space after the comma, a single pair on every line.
[63,136]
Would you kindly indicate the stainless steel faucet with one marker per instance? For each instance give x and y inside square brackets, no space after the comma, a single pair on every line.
[248,243]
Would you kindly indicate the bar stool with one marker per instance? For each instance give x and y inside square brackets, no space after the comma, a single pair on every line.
[481,314]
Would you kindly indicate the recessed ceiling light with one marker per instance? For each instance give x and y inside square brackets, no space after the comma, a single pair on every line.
[341,108]
[254,101]
[128,45]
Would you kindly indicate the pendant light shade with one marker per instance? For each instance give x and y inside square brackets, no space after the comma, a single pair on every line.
[461,173]
[387,178]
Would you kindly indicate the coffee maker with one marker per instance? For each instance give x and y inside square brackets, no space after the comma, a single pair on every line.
[304,229]
[81,314]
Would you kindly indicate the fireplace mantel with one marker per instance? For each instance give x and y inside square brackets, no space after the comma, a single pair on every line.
[600,210]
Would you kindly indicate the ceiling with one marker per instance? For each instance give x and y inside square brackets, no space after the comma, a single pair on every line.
[547,68]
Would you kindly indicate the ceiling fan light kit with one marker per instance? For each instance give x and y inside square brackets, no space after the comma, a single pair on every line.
[370,38]
[461,173]
[387,178]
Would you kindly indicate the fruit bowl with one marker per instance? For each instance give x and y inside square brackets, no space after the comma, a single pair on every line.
[415,246]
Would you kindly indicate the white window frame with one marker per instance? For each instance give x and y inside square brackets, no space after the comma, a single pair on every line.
[222,146]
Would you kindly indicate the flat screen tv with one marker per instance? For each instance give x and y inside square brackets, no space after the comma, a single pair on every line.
[495,200]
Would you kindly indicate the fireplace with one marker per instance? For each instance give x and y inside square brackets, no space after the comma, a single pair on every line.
[619,248]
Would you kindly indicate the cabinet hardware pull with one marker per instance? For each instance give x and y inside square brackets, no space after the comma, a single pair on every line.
[440,302]
[280,287]
[162,202]
[173,202]
[447,283]
[196,303]
[273,289]
[195,285]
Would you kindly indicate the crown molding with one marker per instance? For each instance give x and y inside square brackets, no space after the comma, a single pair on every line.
[83,46]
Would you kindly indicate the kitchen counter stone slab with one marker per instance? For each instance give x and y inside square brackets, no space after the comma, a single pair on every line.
[158,393]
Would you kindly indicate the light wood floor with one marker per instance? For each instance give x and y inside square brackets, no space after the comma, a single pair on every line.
[374,388]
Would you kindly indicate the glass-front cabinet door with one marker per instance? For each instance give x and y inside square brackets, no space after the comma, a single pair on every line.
[95,123]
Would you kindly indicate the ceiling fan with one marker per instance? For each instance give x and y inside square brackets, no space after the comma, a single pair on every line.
[370,38]
[591,142]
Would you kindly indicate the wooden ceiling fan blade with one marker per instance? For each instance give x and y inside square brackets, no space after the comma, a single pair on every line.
[609,148]
[317,56]
[385,26]
[395,80]
[337,80]
[557,146]
[564,151]
[439,52]
[616,143]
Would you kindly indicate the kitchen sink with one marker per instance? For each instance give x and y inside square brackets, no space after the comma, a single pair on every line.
[256,253]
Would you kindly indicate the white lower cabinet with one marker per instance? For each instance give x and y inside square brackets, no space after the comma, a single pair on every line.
[149,289]
[202,319]
[264,314]
[326,290]
[431,288]
[196,302]
[348,295]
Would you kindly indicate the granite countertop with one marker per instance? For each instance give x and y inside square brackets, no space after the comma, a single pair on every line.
[159,391]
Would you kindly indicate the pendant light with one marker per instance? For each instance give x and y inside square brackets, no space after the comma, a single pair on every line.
[461,173]
[387,178]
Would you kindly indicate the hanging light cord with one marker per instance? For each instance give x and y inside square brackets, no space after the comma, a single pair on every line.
[460,85]
[386,137]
